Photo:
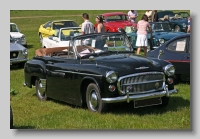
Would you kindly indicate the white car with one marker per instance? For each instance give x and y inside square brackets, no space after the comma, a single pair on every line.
[17,35]
[61,38]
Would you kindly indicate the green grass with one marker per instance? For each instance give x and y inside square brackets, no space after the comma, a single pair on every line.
[30,113]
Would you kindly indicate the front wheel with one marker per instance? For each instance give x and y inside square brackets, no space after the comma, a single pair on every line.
[40,90]
[93,99]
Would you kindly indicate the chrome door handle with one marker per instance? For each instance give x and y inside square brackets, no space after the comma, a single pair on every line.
[50,62]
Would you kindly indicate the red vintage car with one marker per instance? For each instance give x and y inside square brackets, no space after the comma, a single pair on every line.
[115,20]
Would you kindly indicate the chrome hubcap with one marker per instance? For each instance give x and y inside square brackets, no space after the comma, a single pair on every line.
[93,100]
[41,90]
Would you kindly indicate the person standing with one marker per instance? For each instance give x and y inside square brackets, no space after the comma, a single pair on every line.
[132,15]
[87,27]
[100,26]
[154,16]
[149,15]
[188,29]
[142,40]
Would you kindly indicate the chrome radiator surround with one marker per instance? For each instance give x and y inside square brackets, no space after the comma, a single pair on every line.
[145,82]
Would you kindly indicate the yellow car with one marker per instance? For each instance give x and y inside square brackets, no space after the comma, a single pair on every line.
[50,27]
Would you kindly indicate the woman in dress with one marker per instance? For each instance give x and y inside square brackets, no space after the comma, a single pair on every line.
[142,40]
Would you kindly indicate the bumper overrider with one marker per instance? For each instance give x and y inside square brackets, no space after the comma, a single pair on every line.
[129,98]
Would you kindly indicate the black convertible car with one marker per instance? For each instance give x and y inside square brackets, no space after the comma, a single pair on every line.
[176,51]
[97,69]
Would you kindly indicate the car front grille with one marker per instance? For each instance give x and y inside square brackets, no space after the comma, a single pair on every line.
[14,54]
[141,82]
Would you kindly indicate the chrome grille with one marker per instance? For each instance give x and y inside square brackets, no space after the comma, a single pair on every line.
[142,82]
[14,54]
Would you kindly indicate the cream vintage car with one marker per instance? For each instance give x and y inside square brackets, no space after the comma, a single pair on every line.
[17,35]
[61,37]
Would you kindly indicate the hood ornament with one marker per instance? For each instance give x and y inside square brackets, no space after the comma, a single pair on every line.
[143,67]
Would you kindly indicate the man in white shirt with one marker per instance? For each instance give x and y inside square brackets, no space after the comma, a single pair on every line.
[132,15]
[87,26]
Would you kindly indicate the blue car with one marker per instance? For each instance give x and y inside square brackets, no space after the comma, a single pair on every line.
[178,21]
[162,32]
[176,51]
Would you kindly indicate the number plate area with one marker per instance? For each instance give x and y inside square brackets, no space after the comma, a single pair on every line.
[147,102]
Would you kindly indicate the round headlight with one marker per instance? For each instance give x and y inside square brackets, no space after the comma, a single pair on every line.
[111,76]
[25,52]
[184,25]
[169,70]
[23,36]
[162,41]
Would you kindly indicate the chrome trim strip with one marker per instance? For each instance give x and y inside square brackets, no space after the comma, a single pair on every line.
[79,73]
[143,82]
[143,73]
[138,96]
[149,91]
[140,68]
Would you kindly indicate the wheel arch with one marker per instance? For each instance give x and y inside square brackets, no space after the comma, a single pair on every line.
[33,72]
[84,84]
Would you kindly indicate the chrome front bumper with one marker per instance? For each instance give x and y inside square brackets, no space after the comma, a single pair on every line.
[16,61]
[128,98]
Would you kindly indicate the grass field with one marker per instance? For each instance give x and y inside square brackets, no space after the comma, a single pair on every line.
[30,113]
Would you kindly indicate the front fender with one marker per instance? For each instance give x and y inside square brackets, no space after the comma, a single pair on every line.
[33,69]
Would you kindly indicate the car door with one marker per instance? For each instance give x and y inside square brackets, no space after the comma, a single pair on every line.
[176,52]
[53,42]
[60,78]
[47,42]
[186,62]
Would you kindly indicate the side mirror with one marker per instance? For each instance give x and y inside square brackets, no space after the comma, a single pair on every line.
[55,39]
[161,52]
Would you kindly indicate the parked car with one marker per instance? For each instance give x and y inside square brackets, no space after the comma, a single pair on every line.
[92,75]
[17,35]
[176,51]
[161,33]
[178,21]
[48,29]
[115,20]
[18,53]
[61,38]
